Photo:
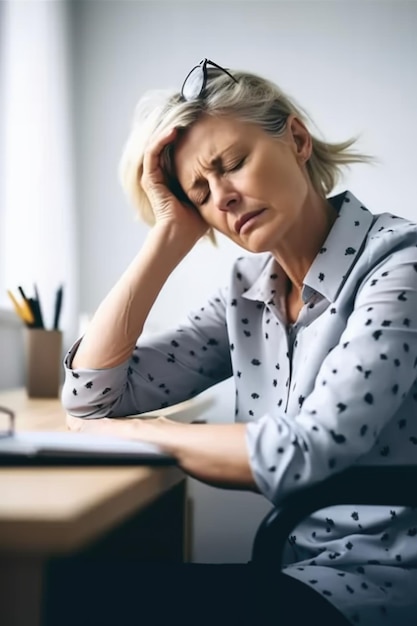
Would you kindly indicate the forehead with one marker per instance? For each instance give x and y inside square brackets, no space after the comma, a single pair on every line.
[206,140]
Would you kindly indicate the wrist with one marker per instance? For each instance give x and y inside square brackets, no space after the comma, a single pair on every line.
[165,433]
[174,238]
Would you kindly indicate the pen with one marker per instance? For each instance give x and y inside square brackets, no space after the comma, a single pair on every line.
[37,306]
[22,293]
[34,308]
[58,305]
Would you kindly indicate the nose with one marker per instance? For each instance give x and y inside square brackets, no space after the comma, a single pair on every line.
[225,196]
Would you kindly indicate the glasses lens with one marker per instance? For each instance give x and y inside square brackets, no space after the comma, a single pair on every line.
[194,83]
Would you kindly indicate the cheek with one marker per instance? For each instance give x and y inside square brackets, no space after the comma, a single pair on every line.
[206,214]
[214,219]
[218,221]
[282,180]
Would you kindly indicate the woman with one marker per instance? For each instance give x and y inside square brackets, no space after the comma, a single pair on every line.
[318,329]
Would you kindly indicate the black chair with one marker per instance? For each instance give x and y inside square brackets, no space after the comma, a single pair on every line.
[390,486]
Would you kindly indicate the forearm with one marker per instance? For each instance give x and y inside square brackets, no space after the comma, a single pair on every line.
[119,320]
[213,453]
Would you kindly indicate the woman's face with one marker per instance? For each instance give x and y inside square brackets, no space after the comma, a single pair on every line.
[246,184]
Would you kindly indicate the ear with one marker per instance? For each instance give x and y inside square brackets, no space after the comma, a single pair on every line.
[301,138]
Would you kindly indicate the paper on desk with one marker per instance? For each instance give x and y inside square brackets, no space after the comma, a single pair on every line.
[67,443]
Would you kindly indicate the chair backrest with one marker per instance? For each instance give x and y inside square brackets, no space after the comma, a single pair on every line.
[386,485]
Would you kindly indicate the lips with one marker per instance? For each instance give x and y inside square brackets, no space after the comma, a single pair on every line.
[245,218]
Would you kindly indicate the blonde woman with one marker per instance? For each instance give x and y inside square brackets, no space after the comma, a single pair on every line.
[318,329]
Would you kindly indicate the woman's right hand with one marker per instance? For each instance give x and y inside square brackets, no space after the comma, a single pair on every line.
[167,209]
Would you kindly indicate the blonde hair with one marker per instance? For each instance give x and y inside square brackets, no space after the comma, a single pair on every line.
[251,99]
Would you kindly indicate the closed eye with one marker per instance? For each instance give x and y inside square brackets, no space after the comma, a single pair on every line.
[204,200]
[231,168]
[199,200]
[197,196]
[236,165]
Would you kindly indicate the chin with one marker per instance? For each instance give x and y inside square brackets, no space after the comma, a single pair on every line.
[257,243]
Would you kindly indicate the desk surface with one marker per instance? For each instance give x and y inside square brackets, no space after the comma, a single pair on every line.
[57,510]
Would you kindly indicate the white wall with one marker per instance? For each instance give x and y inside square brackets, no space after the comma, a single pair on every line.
[350,64]
[37,215]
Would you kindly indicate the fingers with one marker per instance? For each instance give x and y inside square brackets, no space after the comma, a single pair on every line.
[168,207]
[152,172]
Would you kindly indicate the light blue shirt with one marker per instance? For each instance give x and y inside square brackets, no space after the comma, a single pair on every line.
[336,388]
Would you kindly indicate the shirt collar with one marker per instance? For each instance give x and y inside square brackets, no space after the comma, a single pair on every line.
[332,264]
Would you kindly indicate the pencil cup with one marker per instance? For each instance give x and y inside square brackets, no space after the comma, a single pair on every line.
[43,352]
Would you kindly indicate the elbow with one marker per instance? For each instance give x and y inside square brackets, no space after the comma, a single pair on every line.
[76,405]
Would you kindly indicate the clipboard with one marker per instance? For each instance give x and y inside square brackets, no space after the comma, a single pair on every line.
[47,448]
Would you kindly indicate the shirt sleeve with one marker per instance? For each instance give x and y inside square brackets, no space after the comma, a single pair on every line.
[359,387]
[164,369]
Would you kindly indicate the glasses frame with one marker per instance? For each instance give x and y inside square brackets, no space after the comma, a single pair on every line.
[203,67]
[12,422]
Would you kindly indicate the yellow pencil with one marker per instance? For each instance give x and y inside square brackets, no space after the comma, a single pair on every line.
[29,317]
[16,306]
[25,315]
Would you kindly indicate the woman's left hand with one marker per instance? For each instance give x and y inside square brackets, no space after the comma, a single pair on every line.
[213,453]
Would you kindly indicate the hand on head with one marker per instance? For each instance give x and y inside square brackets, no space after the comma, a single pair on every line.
[167,208]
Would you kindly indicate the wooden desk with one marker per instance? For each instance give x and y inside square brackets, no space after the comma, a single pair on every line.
[46,513]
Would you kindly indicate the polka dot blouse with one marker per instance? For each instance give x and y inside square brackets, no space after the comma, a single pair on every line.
[336,388]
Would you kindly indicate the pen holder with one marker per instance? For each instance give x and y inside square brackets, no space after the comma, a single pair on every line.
[43,355]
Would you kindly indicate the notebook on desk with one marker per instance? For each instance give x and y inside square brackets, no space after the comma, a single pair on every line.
[77,449]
